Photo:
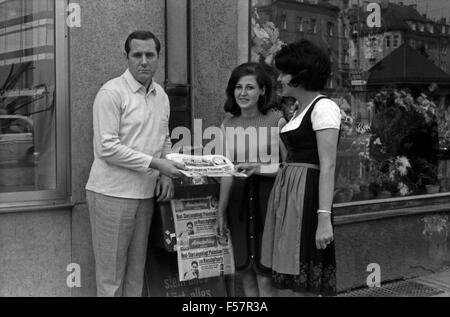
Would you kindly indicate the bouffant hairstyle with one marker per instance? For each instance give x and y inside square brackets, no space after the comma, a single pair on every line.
[263,80]
[309,65]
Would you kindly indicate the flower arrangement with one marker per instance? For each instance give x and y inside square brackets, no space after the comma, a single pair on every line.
[403,142]
[444,127]
[265,40]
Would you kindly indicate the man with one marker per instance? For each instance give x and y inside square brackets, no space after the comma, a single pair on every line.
[189,230]
[193,273]
[131,140]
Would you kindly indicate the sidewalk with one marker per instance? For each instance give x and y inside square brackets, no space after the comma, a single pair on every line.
[434,285]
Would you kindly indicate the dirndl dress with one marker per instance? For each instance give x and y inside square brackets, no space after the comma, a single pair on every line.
[289,238]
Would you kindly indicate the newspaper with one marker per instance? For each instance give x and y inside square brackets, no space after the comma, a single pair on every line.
[206,165]
[201,252]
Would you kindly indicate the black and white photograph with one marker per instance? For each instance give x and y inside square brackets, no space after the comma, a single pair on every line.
[316,131]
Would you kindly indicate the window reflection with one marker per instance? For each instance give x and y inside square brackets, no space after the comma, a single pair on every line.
[27,114]
[391,82]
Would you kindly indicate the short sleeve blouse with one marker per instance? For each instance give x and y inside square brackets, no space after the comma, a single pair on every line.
[326,115]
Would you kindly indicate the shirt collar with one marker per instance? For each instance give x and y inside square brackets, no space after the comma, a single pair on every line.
[135,85]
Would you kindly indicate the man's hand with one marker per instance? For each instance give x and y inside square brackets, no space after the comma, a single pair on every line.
[164,189]
[168,168]
[249,168]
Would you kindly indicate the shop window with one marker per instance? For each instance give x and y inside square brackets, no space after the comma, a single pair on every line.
[32,101]
[395,138]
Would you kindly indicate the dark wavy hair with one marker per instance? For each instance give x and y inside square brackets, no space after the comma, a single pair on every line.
[263,80]
[142,35]
[309,65]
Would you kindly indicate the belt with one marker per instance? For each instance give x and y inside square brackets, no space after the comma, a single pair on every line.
[305,165]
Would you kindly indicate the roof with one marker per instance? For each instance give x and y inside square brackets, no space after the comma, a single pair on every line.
[395,17]
[406,65]
[307,3]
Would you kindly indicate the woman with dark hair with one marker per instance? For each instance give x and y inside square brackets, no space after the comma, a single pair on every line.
[243,201]
[298,236]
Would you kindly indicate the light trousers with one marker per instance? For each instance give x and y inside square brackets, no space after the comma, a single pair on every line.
[120,229]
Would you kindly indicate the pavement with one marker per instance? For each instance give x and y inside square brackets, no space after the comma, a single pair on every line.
[440,281]
[433,285]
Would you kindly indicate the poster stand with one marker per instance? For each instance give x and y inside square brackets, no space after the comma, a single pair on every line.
[161,269]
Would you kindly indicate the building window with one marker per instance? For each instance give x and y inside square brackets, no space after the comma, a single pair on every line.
[300,24]
[396,40]
[283,22]
[330,27]
[33,105]
[430,28]
[421,27]
[388,41]
[313,26]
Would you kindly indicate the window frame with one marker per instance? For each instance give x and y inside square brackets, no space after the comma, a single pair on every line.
[62,124]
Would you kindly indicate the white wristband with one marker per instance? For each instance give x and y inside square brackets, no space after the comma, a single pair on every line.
[323,212]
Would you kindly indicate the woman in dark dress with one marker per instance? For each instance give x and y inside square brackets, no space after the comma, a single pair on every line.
[298,241]
[243,201]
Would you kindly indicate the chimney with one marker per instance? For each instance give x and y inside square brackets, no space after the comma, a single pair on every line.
[414,6]
[401,3]
[424,15]
[384,4]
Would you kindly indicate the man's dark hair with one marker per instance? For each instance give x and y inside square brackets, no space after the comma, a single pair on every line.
[189,223]
[194,262]
[308,64]
[263,80]
[142,35]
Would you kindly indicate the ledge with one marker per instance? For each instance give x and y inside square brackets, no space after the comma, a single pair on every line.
[378,215]
[48,206]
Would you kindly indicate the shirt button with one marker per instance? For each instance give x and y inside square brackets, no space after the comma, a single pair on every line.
[251,218]
[252,237]
[252,257]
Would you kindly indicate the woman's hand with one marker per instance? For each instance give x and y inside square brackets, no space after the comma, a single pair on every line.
[249,168]
[324,233]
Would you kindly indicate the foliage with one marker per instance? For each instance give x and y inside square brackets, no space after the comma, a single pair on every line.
[403,142]
[265,40]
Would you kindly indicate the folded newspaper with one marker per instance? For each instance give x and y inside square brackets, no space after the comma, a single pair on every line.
[206,165]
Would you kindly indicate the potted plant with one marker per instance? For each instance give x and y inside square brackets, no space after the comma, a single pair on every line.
[344,190]
[427,176]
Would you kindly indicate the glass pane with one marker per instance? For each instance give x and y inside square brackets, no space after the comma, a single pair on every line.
[390,78]
[27,92]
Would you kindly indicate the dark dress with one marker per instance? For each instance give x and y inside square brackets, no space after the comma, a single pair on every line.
[246,214]
[247,205]
[289,247]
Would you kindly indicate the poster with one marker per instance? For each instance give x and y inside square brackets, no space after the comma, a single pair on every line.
[201,252]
